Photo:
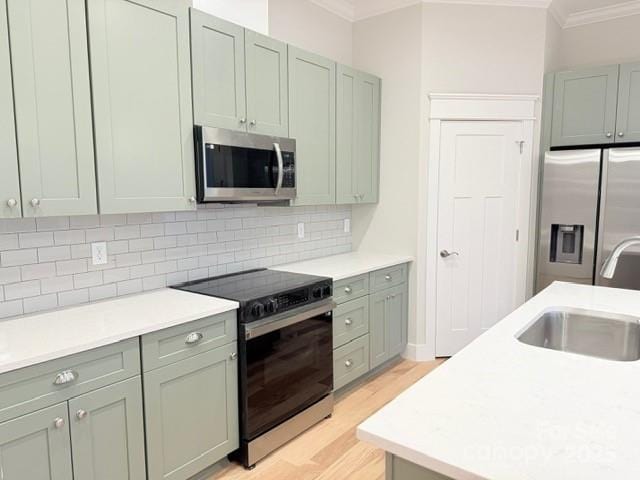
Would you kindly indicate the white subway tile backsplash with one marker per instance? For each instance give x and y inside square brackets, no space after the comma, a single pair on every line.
[45,262]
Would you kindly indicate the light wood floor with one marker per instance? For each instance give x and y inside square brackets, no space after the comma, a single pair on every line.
[330,450]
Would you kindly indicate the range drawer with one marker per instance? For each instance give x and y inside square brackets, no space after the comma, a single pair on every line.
[183,341]
[39,386]
[350,362]
[388,277]
[350,321]
[350,288]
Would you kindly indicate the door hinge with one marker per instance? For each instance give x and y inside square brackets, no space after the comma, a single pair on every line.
[521,144]
[517,235]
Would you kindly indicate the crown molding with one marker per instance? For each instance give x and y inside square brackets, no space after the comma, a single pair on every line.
[371,8]
[342,8]
[603,14]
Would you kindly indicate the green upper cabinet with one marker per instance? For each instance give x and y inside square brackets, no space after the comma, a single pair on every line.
[50,65]
[37,446]
[217,49]
[107,433]
[267,85]
[10,205]
[141,78]
[312,120]
[357,137]
[628,124]
[584,106]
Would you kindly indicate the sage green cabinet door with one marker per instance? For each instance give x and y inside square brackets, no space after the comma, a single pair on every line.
[10,204]
[312,122]
[397,320]
[267,85]
[584,106]
[218,63]
[52,106]
[35,447]
[346,149]
[107,433]
[628,125]
[141,78]
[378,329]
[191,410]
[367,156]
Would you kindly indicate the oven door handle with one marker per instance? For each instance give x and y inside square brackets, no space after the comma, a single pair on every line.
[262,328]
[276,147]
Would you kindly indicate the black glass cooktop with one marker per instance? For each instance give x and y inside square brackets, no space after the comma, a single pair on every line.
[250,285]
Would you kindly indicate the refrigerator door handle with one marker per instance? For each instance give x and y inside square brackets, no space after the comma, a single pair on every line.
[600,254]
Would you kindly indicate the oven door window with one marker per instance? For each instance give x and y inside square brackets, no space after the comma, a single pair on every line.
[238,167]
[288,370]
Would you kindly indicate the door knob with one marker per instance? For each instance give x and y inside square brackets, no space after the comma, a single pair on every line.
[447,254]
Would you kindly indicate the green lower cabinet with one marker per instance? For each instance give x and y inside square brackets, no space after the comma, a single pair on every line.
[107,433]
[191,410]
[387,324]
[37,446]
[400,469]
[350,362]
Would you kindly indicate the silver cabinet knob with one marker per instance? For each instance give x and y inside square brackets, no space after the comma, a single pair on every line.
[621,134]
[348,321]
[361,196]
[65,377]
[58,422]
[348,363]
[243,120]
[356,196]
[387,278]
[12,202]
[35,202]
[347,290]
[609,134]
[252,123]
[447,254]
[233,356]
[193,338]
[192,199]
[80,414]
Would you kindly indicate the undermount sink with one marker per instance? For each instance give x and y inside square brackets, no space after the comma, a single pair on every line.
[603,335]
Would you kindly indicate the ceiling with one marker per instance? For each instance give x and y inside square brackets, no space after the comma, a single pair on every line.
[568,13]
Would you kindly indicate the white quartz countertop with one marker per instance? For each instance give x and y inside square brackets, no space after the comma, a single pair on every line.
[38,338]
[503,410]
[346,265]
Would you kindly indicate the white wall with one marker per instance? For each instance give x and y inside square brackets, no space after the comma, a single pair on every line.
[253,14]
[390,46]
[553,45]
[613,41]
[308,26]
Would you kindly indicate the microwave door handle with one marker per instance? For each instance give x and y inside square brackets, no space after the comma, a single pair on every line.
[276,147]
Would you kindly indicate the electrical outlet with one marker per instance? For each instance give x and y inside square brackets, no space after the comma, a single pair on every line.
[301,231]
[347,225]
[99,253]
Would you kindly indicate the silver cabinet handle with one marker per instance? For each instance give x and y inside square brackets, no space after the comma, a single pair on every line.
[243,120]
[348,321]
[80,414]
[58,422]
[348,363]
[609,134]
[233,356]
[252,123]
[621,134]
[193,338]
[12,202]
[276,147]
[65,377]
[347,290]
[387,278]
[192,199]
[361,196]
[35,202]
[447,254]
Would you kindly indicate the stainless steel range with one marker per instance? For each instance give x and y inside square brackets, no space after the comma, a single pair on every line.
[285,337]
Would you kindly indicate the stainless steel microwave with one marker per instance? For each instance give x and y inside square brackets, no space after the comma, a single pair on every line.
[244,167]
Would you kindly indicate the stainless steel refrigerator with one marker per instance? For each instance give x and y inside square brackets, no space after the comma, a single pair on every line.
[590,202]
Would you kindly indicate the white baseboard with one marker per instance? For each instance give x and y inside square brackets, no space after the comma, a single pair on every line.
[419,352]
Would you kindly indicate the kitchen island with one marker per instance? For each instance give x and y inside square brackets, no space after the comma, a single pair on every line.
[504,410]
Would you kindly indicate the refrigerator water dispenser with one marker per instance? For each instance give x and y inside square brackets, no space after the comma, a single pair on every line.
[566,244]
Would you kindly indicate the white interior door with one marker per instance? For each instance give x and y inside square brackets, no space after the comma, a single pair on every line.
[479,183]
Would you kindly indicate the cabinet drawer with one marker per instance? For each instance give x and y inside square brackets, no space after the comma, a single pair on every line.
[388,277]
[350,288]
[350,362]
[31,388]
[184,341]
[350,321]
